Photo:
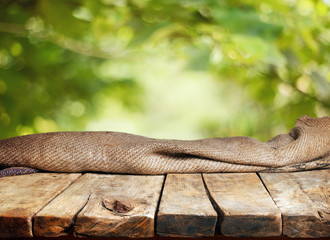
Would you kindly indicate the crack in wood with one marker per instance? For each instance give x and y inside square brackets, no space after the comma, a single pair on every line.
[70,229]
[158,204]
[216,207]
[55,196]
[265,186]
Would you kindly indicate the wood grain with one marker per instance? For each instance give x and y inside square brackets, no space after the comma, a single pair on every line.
[21,197]
[185,209]
[120,206]
[304,200]
[244,206]
[56,218]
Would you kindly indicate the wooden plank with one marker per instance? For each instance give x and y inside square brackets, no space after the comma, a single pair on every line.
[21,197]
[244,205]
[56,218]
[304,199]
[185,209]
[120,206]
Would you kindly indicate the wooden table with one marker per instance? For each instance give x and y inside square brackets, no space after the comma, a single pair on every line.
[189,205]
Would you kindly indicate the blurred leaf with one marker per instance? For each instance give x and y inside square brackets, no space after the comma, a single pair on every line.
[163,68]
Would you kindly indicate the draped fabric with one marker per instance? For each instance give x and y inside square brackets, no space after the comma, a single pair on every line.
[306,147]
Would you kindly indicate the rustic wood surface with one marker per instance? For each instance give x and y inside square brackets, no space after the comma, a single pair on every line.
[304,200]
[21,197]
[120,206]
[56,218]
[244,205]
[185,209]
[106,205]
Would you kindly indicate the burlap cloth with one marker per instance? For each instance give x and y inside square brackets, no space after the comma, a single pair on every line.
[307,146]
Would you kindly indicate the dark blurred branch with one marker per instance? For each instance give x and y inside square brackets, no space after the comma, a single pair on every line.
[62,41]
[13,28]
[81,47]
[273,74]
[314,98]
[4,3]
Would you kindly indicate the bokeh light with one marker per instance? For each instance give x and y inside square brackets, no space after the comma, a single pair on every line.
[165,69]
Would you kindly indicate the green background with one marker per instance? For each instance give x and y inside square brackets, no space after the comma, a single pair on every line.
[168,69]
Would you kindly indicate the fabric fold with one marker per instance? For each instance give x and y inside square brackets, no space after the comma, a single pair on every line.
[306,147]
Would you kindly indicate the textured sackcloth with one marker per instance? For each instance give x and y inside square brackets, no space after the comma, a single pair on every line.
[307,146]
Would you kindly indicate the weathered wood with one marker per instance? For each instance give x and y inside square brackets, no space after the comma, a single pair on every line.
[21,197]
[120,206]
[185,209]
[304,199]
[244,206]
[56,218]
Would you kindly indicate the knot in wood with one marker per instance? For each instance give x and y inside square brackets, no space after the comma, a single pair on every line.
[117,206]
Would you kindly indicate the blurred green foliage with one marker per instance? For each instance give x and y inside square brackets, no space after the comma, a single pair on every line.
[171,69]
